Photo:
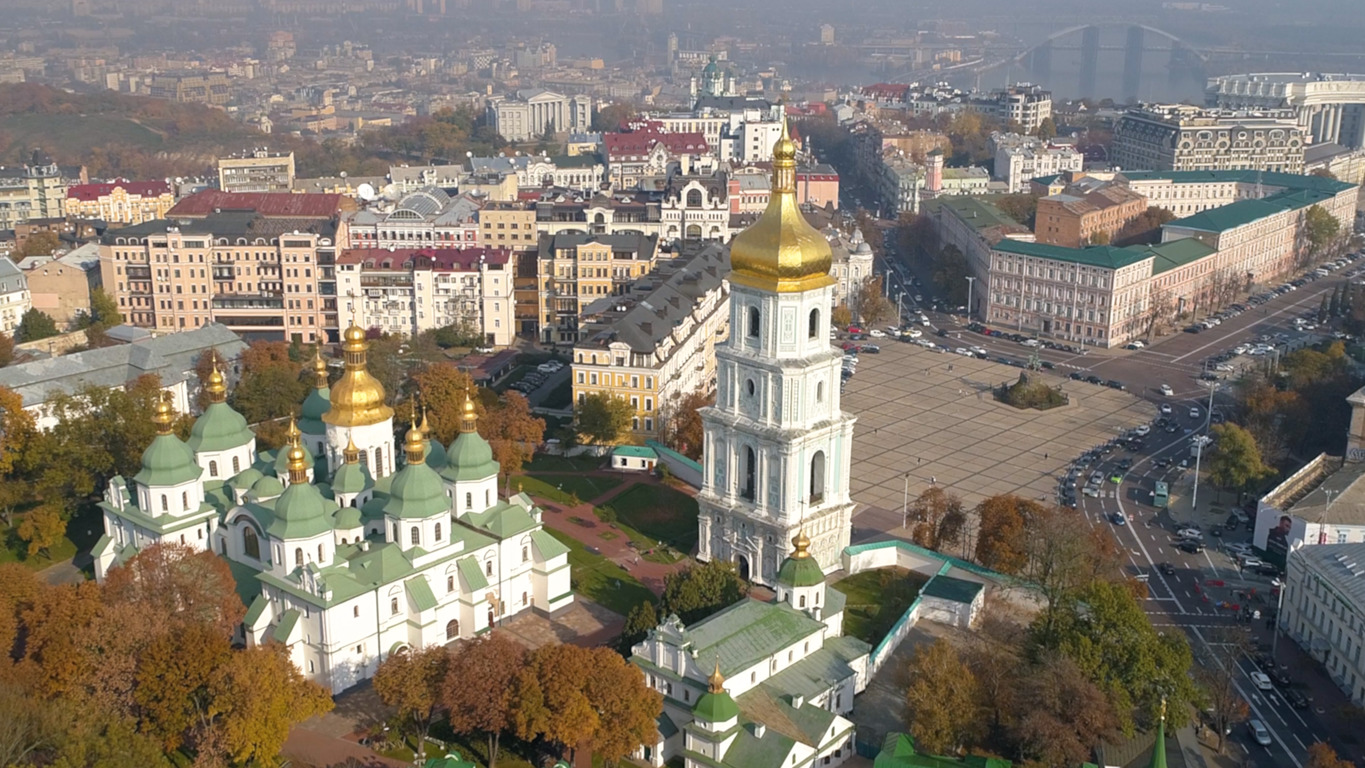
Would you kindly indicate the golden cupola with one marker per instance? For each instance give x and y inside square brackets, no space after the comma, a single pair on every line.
[357,398]
[781,252]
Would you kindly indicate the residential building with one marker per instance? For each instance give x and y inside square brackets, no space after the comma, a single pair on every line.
[1323,608]
[15,299]
[61,286]
[119,201]
[601,214]
[36,190]
[528,115]
[189,87]
[263,266]
[778,448]
[407,179]
[1178,137]
[582,172]
[971,180]
[1025,105]
[818,185]
[974,227]
[1087,212]
[350,553]
[1018,159]
[575,269]
[171,357]
[631,157]
[657,342]
[1329,107]
[695,207]
[900,185]
[852,264]
[255,171]
[512,225]
[423,218]
[410,290]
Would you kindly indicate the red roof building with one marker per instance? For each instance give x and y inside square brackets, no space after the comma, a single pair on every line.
[267,204]
[119,201]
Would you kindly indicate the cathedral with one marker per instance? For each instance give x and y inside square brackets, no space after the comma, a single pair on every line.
[777,447]
[344,549]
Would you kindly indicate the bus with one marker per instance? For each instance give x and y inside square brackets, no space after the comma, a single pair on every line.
[1160,495]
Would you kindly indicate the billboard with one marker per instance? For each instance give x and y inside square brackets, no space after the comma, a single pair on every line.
[1276,532]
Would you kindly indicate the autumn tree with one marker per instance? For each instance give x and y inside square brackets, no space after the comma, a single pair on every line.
[1047,129]
[42,529]
[412,682]
[873,307]
[1321,755]
[1002,522]
[681,422]
[628,708]
[613,117]
[1321,229]
[36,325]
[940,698]
[180,585]
[701,590]
[40,243]
[1235,462]
[1020,206]
[1144,228]
[602,418]
[257,697]
[6,350]
[443,388]
[641,619]
[939,518]
[272,382]
[841,316]
[513,432]
[478,690]
[17,431]
[1061,715]
[1062,559]
[1228,646]
[172,684]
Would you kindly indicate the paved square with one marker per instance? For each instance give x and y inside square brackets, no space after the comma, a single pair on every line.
[931,414]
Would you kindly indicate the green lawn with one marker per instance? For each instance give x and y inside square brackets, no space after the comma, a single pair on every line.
[876,599]
[660,513]
[600,580]
[15,549]
[562,488]
[544,462]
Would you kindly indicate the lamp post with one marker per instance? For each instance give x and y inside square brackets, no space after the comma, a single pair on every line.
[971,281]
[1199,453]
[905,502]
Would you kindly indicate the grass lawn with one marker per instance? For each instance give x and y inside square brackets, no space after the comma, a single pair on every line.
[600,580]
[876,599]
[660,513]
[544,462]
[15,549]
[511,752]
[562,488]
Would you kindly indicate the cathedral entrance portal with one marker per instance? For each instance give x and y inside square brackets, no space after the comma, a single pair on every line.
[743,563]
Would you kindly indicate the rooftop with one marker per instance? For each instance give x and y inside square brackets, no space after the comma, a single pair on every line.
[437,259]
[1341,565]
[1243,212]
[92,192]
[269,204]
[651,319]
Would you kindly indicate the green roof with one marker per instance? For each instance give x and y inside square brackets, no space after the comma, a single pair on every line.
[287,622]
[258,606]
[818,672]
[749,751]
[548,545]
[634,452]
[976,213]
[281,460]
[317,403]
[417,493]
[246,478]
[1244,212]
[168,461]
[472,573]
[470,457]
[949,588]
[1287,181]
[436,454]
[1178,253]
[716,707]
[1104,256]
[503,520]
[352,478]
[898,751]
[301,512]
[419,592]
[347,518]
[451,760]
[748,632]
[807,723]
[268,487]
[800,572]
[219,428]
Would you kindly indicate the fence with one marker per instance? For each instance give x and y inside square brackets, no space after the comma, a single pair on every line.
[683,468]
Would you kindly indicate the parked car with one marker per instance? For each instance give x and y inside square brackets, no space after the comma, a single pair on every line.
[871,349]
[1191,546]
[1259,732]
[1296,699]
[1166,390]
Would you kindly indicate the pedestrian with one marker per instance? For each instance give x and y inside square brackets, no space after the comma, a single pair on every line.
[933,480]
[1045,457]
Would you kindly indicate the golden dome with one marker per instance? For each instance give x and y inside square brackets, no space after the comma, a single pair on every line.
[800,545]
[216,386]
[319,368]
[781,252]
[351,453]
[469,416]
[298,467]
[357,398]
[163,415]
[415,446]
[716,682]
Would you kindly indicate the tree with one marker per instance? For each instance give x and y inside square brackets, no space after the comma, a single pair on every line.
[613,117]
[463,333]
[1235,463]
[479,686]
[1002,521]
[841,316]
[1099,237]
[940,698]
[35,325]
[41,243]
[641,619]
[412,681]
[873,307]
[1047,129]
[513,432]
[1218,679]
[1321,755]
[602,418]
[272,383]
[868,224]
[681,422]
[701,590]
[257,696]
[17,431]
[628,708]
[172,685]
[385,361]
[443,388]
[939,518]
[6,350]
[180,585]
[42,529]
[1021,207]
[1062,559]
[1320,228]
[1143,228]
[950,272]
[1062,715]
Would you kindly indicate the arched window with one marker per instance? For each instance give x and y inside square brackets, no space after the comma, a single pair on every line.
[395,533]
[817,477]
[438,531]
[165,503]
[802,602]
[298,557]
[814,330]
[251,545]
[525,553]
[753,322]
[185,500]
[819,391]
[379,462]
[488,568]
[393,606]
[750,473]
[320,558]
[236,465]
[213,469]
[694,198]
[415,535]
[525,598]
[450,583]
[468,500]
[453,629]
[355,612]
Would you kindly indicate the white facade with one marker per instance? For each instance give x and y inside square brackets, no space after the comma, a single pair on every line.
[1323,610]
[527,116]
[14,296]
[1021,158]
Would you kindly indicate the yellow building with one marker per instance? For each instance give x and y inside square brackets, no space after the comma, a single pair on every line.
[659,340]
[120,201]
[574,269]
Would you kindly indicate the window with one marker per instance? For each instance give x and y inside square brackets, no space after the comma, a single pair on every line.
[750,465]
[165,503]
[393,606]
[524,598]
[488,568]
[525,553]
[320,558]
[379,462]
[450,583]
[251,545]
[298,557]
[469,501]
[213,469]
[452,629]
[802,602]
[438,531]
[185,500]
[813,331]
[819,391]
[415,535]
[817,477]
[753,322]
[395,533]
[355,612]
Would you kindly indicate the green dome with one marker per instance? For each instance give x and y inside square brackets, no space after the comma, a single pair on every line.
[436,454]
[301,512]
[167,461]
[266,488]
[800,572]
[282,461]
[246,478]
[416,492]
[347,518]
[351,478]
[315,405]
[219,428]
[716,707]
[470,458]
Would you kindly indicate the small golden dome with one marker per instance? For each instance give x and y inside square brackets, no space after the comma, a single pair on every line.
[319,368]
[163,415]
[469,415]
[357,398]
[216,386]
[800,545]
[781,251]
[298,466]
[716,682]
[415,445]
[351,453]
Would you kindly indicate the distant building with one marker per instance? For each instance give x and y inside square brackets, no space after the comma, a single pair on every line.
[630,157]
[61,286]
[36,190]
[581,172]
[258,170]
[1323,607]
[119,201]
[1018,159]
[1025,105]
[408,178]
[1328,107]
[424,218]
[411,290]
[1077,216]
[190,87]
[14,296]
[575,269]
[1184,138]
[528,115]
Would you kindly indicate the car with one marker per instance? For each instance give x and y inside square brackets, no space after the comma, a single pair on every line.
[1096,477]
[941,333]
[1259,732]
[858,336]
[1093,379]
[1268,569]
[963,351]
[1136,344]
[1238,548]
[978,351]
[1191,546]
[913,333]
[1091,490]
[871,349]
[1296,699]
[1262,681]
[849,346]
[1029,342]
[1166,569]
[1250,562]
[1189,533]
[1114,384]
[1142,430]
[1216,530]
[1194,413]
[1118,519]
[1116,478]
[1193,328]
[1165,409]
[854,329]
[1077,376]
[1166,391]
[1162,463]
[877,333]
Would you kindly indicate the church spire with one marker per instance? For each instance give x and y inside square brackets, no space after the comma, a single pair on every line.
[298,466]
[1159,750]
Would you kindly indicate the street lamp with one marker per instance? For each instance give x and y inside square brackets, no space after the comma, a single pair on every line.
[905,502]
[970,282]
[1199,453]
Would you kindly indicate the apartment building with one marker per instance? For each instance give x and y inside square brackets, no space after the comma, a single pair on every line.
[1023,104]
[973,226]
[1019,159]
[424,218]
[262,265]
[658,340]
[1323,610]
[575,269]
[852,263]
[61,286]
[1179,137]
[1087,212]
[695,207]
[120,201]
[14,296]
[601,214]
[410,290]
[631,157]
[527,115]
[581,172]
[36,190]
[189,87]
[409,178]
[256,170]
[512,225]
